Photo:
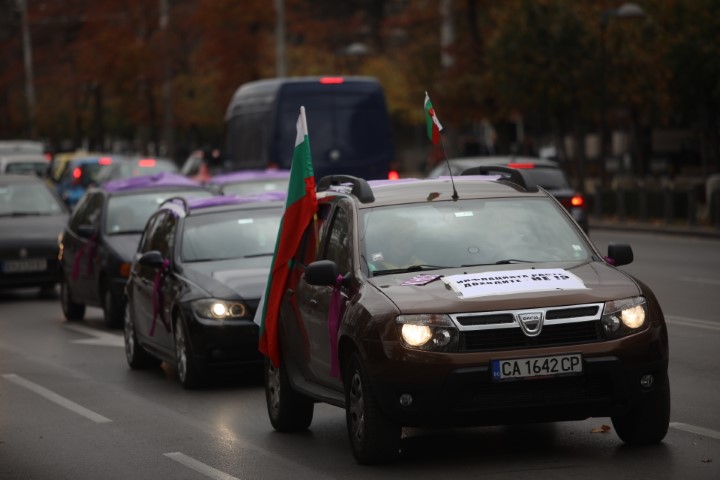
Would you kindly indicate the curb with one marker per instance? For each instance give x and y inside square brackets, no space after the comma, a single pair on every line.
[699,231]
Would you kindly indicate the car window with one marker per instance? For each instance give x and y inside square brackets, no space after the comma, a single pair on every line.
[470,232]
[27,199]
[37,168]
[233,234]
[88,211]
[338,247]
[549,178]
[144,244]
[128,213]
[160,235]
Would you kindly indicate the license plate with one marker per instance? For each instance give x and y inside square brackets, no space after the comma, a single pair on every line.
[25,265]
[552,366]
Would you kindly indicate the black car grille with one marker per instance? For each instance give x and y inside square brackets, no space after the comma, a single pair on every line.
[514,338]
[533,393]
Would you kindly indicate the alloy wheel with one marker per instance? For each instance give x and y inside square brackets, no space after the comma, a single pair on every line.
[357,407]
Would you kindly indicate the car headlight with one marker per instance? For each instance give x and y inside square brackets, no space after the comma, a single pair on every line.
[220,309]
[624,317]
[429,331]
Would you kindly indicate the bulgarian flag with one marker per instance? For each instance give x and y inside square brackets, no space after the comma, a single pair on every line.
[300,207]
[431,121]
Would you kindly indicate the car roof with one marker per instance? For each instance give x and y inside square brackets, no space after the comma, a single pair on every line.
[248,175]
[12,178]
[156,181]
[407,191]
[222,203]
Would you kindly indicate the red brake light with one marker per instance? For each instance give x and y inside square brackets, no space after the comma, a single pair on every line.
[105,161]
[332,80]
[521,165]
[393,175]
[146,162]
[577,201]
[77,173]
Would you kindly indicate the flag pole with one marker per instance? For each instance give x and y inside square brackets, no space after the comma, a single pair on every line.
[447,162]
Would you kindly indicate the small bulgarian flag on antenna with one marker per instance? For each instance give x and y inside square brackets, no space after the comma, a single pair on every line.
[433,124]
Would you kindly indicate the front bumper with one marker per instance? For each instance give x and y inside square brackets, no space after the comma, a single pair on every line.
[457,389]
[49,276]
[219,344]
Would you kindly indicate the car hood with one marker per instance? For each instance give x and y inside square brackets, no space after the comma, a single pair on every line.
[124,244]
[601,281]
[229,279]
[32,229]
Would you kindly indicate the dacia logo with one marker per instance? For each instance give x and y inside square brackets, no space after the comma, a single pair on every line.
[531,323]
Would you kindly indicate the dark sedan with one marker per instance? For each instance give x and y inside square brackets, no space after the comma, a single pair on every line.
[31,219]
[102,235]
[196,281]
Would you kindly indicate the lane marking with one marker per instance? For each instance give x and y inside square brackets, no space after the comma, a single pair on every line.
[55,398]
[711,281]
[705,432]
[102,339]
[692,322]
[199,467]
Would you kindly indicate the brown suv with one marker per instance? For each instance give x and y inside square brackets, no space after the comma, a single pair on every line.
[474,302]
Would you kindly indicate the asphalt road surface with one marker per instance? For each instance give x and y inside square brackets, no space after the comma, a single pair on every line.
[70,408]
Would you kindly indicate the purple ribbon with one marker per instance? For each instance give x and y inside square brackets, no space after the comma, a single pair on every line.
[91,247]
[157,298]
[609,260]
[334,326]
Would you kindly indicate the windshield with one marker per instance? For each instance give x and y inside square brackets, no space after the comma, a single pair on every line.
[129,213]
[37,168]
[233,234]
[256,186]
[469,232]
[27,199]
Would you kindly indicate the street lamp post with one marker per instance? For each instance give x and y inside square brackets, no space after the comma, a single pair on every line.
[626,10]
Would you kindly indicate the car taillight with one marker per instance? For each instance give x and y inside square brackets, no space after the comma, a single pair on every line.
[393,175]
[105,161]
[577,201]
[332,80]
[146,162]
[521,165]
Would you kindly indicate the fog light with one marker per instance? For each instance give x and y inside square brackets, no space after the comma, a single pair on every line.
[647,381]
[406,400]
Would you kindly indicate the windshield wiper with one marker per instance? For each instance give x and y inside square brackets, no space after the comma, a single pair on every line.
[25,214]
[412,268]
[126,232]
[512,260]
[259,255]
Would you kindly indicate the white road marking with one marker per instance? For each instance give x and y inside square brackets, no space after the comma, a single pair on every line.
[705,432]
[55,398]
[102,339]
[692,322]
[199,467]
[711,281]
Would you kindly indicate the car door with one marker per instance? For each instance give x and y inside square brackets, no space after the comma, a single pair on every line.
[151,285]
[80,242]
[314,302]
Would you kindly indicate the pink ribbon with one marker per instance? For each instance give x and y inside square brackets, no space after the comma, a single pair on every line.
[157,298]
[91,247]
[334,326]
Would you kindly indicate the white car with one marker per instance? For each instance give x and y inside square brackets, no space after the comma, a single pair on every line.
[32,163]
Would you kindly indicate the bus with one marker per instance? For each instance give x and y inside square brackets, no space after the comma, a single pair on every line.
[348,125]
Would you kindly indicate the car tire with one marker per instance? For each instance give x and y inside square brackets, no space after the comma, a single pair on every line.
[289,410]
[137,357]
[647,422]
[374,438]
[188,372]
[112,310]
[72,311]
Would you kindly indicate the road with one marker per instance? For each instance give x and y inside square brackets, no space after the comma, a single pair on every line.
[70,408]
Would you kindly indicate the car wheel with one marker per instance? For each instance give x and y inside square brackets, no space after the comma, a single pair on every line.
[137,357]
[374,438]
[289,411]
[72,311]
[647,422]
[112,310]
[188,371]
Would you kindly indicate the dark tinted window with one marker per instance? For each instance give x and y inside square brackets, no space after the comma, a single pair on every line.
[88,211]
[549,178]
[160,236]
[339,243]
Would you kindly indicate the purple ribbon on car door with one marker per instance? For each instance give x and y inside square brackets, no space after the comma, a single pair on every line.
[91,247]
[157,298]
[334,326]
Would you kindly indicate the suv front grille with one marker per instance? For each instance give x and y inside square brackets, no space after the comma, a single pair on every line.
[500,330]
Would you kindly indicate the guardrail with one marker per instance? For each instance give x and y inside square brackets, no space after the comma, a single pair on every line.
[668,206]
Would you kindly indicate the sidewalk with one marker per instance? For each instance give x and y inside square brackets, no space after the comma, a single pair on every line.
[654,227]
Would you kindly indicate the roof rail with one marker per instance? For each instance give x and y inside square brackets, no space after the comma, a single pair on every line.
[360,187]
[507,174]
[173,202]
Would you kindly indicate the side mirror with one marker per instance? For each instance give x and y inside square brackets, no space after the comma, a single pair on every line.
[620,253]
[86,231]
[321,273]
[152,259]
